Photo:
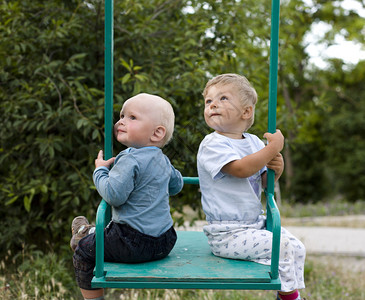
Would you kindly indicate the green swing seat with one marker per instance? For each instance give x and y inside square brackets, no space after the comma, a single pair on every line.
[190,265]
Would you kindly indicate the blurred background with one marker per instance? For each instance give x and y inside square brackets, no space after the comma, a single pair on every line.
[52,113]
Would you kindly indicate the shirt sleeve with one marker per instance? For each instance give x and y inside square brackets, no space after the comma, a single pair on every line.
[176,182]
[259,144]
[115,186]
[215,155]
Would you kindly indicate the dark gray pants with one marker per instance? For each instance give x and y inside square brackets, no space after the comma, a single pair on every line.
[122,243]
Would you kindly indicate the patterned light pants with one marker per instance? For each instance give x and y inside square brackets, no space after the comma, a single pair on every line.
[253,242]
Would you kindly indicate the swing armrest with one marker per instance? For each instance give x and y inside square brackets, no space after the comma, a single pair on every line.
[273,224]
[102,219]
[191,180]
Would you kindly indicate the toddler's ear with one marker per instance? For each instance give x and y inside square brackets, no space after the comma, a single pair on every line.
[159,134]
[247,112]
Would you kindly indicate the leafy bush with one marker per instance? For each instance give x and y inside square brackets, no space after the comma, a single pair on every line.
[51,74]
[52,118]
[52,95]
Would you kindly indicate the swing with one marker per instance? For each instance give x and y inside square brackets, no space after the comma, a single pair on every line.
[190,265]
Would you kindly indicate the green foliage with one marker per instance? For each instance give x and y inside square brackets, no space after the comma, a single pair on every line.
[51,103]
[345,103]
[305,100]
[52,90]
[52,97]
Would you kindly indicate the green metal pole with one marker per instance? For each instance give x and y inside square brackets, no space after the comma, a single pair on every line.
[273,221]
[104,209]
[108,79]
[273,81]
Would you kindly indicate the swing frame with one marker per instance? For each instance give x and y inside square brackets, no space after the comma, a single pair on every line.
[190,265]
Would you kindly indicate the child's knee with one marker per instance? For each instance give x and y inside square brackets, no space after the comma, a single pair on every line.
[286,248]
[291,248]
[300,250]
[83,270]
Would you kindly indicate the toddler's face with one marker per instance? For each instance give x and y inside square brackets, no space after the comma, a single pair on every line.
[223,110]
[136,124]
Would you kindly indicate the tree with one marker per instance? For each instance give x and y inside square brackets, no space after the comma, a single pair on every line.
[51,95]
[344,103]
[51,90]
[301,89]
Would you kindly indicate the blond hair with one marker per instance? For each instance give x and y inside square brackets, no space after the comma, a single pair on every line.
[167,120]
[164,112]
[246,91]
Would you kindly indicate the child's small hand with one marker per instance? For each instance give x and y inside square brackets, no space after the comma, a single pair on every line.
[100,162]
[275,139]
[277,165]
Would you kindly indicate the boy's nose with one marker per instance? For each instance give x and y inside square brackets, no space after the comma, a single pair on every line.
[213,104]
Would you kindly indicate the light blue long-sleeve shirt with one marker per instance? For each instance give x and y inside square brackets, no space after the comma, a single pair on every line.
[138,188]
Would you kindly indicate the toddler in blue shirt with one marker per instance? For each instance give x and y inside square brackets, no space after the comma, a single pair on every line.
[137,188]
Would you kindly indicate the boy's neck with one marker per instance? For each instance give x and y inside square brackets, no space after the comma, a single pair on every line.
[147,146]
[232,135]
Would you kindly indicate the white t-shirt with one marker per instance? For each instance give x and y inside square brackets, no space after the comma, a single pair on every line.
[226,198]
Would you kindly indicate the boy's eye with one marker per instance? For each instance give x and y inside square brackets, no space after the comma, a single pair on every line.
[224,98]
[208,101]
[132,117]
[122,116]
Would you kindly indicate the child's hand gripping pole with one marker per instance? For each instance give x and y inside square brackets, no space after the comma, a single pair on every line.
[100,162]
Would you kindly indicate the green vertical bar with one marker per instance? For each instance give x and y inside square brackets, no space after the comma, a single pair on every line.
[273,87]
[108,79]
[104,209]
[273,81]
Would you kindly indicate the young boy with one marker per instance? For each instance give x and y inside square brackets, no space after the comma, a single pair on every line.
[137,187]
[232,169]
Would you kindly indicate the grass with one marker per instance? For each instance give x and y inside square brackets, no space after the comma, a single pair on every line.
[337,207]
[34,275]
[324,280]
